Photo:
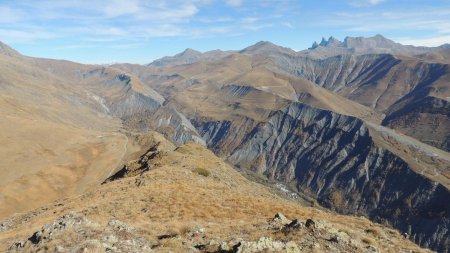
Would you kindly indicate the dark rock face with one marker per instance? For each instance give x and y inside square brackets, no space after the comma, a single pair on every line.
[333,158]
[166,120]
[224,136]
[416,118]
[375,80]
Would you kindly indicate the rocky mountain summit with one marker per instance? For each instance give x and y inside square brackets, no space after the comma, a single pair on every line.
[377,44]
[189,56]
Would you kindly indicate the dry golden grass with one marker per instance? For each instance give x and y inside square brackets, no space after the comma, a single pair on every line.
[374,231]
[55,140]
[368,241]
[51,146]
[202,171]
[171,199]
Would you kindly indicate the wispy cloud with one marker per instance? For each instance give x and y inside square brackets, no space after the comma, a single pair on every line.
[374,2]
[256,27]
[362,3]
[288,25]
[431,42]
[250,19]
[95,20]
[10,15]
[10,35]
[234,3]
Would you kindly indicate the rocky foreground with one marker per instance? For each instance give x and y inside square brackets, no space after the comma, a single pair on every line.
[186,199]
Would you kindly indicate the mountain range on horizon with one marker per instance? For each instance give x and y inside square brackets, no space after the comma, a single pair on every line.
[343,129]
[377,44]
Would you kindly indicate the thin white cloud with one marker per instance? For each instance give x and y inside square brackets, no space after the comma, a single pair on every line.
[288,25]
[435,22]
[111,21]
[215,20]
[9,15]
[250,19]
[117,8]
[375,2]
[125,46]
[256,27]
[24,36]
[234,3]
[362,3]
[428,42]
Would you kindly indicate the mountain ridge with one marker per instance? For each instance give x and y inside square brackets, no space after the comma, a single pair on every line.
[187,199]
[321,117]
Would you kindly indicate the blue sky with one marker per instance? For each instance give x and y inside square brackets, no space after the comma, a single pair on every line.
[139,31]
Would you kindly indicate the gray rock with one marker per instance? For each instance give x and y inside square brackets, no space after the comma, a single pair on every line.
[264,243]
[280,218]
[310,224]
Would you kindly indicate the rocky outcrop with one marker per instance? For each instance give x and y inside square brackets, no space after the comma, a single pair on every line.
[158,147]
[73,232]
[166,120]
[334,159]
[302,236]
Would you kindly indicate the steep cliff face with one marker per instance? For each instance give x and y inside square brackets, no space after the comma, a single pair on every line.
[166,120]
[377,80]
[333,158]
[415,119]
[223,136]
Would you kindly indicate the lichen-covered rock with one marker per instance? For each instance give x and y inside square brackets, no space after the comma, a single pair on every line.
[75,233]
[263,244]
[279,220]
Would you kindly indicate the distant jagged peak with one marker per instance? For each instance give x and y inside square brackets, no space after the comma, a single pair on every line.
[377,41]
[259,45]
[189,56]
[266,47]
[331,42]
[314,45]
[7,50]
[377,44]
[189,52]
